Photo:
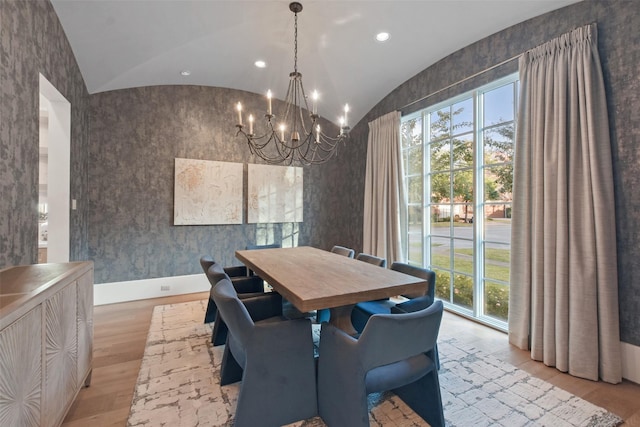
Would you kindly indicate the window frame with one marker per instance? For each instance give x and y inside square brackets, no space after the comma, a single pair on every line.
[478,169]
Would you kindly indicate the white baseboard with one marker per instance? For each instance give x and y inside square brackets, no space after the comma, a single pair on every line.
[110,293]
[630,362]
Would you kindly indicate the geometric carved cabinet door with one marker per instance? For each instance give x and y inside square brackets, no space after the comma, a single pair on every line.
[21,373]
[61,352]
[85,325]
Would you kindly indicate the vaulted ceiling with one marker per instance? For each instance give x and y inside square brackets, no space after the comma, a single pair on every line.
[128,43]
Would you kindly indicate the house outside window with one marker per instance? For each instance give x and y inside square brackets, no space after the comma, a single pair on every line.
[458,175]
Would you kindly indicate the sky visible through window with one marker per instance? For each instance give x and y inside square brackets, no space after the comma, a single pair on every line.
[499,105]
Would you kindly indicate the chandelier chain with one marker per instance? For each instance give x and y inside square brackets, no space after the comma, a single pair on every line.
[295,42]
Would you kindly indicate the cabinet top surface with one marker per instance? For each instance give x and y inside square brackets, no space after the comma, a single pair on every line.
[19,284]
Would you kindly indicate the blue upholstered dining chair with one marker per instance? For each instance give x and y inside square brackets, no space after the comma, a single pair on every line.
[380,262]
[236,271]
[394,352]
[363,310]
[341,250]
[273,357]
[242,282]
[245,286]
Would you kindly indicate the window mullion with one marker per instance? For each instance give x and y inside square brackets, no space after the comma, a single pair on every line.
[426,185]
[478,206]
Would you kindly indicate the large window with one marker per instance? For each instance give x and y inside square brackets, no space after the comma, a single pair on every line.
[458,173]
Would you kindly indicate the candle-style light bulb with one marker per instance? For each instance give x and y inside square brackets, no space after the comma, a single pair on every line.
[314,97]
[239,108]
[346,110]
[269,95]
[341,125]
[282,128]
[250,124]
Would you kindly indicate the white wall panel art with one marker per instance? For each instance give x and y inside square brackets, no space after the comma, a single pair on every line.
[275,194]
[207,192]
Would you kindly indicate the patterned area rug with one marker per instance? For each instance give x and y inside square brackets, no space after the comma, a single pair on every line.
[178,385]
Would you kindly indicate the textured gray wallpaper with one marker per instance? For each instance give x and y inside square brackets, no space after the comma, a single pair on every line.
[32,41]
[135,136]
[619,44]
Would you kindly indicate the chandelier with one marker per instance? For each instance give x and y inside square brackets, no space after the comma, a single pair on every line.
[294,135]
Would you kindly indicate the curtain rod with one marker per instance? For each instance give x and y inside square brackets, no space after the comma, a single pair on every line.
[461,81]
[595,24]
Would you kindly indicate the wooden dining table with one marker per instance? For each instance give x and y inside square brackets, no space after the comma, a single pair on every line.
[313,279]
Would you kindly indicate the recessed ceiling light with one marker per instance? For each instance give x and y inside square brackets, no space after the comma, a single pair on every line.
[260,64]
[382,37]
[185,73]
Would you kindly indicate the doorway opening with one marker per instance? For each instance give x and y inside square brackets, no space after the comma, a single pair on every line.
[54,174]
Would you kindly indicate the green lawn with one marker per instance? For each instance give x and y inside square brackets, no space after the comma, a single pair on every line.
[465,265]
[496,268]
[490,254]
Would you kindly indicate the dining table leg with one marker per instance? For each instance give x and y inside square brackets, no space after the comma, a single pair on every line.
[341,318]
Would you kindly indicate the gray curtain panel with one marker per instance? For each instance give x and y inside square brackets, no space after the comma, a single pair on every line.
[564,285]
[383,190]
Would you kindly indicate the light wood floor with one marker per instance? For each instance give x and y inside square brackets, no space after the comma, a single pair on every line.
[120,332]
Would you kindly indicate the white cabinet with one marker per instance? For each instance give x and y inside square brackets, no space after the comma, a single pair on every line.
[46,341]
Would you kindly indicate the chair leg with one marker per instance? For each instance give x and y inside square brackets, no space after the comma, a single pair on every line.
[212,310]
[230,371]
[435,356]
[341,403]
[220,330]
[423,396]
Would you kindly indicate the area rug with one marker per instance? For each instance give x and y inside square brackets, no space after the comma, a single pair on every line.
[178,385]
